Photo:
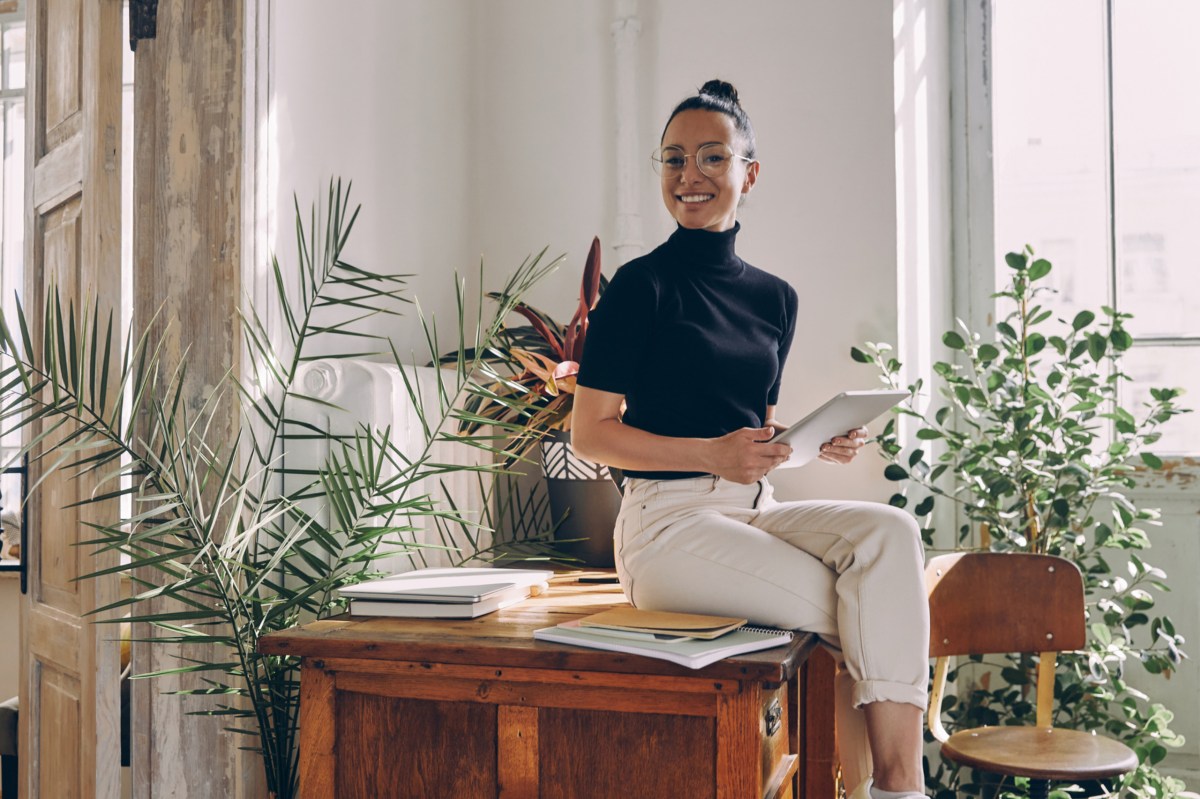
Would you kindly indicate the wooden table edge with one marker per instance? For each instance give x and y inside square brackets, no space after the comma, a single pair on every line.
[762,665]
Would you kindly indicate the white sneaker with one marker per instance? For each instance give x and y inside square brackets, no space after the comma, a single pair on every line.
[864,792]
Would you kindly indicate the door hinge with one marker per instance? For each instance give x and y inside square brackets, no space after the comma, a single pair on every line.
[143,21]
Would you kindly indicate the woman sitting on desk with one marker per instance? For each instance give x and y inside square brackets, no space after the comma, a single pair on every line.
[693,340]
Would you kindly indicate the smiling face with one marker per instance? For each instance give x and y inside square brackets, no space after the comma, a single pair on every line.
[695,200]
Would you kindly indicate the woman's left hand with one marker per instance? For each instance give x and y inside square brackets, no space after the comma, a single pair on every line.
[843,448]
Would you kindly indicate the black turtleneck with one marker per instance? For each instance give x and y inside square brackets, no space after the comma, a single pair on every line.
[693,336]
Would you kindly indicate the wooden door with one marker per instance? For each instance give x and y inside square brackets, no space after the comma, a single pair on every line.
[70,706]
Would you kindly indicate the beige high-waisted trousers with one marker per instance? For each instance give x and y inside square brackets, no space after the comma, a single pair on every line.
[852,572]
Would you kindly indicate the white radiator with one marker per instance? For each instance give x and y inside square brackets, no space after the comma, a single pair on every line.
[374,394]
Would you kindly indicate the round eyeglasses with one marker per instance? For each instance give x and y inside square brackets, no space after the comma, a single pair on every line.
[712,160]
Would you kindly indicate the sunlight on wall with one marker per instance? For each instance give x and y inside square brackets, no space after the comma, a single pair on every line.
[921,98]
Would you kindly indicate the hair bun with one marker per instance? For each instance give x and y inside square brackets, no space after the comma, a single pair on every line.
[720,89]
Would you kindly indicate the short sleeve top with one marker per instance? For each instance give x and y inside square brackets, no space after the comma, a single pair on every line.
[694,337]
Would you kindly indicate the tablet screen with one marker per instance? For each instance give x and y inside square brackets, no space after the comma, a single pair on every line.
[837,417]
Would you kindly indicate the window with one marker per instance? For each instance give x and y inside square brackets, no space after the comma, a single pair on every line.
[1096,164]
[12,224]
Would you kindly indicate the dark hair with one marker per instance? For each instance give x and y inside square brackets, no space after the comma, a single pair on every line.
[719,96]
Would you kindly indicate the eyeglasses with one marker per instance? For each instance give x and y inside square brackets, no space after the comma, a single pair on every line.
[713,160]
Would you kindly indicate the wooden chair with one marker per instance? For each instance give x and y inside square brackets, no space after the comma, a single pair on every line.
[985,603]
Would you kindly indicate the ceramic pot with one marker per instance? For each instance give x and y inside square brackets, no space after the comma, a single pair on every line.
[587,491]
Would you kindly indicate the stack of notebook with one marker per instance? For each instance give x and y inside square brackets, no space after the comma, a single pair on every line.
[688,639]
[453,593]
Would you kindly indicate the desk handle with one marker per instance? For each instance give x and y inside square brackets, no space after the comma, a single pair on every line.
[774,717]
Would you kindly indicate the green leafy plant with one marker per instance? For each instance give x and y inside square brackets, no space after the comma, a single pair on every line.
[535,365]
[219,554]
[1031,446]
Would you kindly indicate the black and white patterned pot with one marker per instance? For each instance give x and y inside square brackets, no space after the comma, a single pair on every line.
[585,492]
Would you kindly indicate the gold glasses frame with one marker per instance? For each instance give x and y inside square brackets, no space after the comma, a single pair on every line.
[662,156]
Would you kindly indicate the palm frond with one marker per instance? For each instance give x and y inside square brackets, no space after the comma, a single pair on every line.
[227,541]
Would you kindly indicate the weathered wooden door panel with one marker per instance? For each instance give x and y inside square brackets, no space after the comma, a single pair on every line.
[70,707]
[63,68]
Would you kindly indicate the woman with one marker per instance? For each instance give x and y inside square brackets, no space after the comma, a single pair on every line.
[692,340]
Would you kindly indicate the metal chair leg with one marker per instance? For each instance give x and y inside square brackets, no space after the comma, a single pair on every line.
[1039,789]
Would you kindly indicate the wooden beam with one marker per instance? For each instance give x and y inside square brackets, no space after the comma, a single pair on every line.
[188,151]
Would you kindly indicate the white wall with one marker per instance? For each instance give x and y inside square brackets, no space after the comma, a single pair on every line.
[513,105]
[816,79]
[544,146]
[380,93]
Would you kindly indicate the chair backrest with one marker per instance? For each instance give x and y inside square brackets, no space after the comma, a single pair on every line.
[987,602]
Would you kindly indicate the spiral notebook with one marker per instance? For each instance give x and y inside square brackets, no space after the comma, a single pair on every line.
[693,653]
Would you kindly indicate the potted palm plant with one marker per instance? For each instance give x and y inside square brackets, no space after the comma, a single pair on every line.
[533,386]
[220,547]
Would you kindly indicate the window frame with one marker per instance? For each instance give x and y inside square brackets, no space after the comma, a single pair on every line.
[9,98]
[973,204]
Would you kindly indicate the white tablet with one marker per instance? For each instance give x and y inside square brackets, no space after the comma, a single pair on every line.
[845,412]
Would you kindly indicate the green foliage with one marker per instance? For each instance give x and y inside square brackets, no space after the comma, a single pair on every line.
[1031,449]
[225,544]
[531,368]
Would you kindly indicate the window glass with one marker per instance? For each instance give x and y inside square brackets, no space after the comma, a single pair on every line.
[1126,238]
[1156,139]
[12,188]
[14,56]
[1049,144]
[1159,367]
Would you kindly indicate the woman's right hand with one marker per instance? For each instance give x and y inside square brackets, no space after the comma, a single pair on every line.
[745,455]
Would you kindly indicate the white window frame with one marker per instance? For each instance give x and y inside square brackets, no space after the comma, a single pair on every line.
[973,205]
[9,97]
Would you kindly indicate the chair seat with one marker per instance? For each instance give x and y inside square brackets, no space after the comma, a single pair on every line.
[1040,753]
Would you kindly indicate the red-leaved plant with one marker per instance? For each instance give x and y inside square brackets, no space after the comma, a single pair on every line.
[532,369]
[557,373]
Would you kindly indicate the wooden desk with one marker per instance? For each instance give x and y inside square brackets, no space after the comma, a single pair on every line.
[476,708]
